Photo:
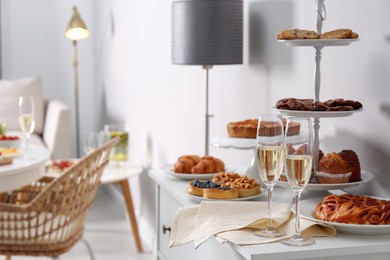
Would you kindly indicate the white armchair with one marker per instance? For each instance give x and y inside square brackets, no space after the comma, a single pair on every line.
[53,119]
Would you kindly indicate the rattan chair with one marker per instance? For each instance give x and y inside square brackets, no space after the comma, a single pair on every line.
[47,217]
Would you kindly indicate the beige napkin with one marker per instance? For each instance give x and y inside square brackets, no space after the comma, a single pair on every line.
[233,221]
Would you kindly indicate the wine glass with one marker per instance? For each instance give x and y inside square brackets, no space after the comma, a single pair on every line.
[92,141]
[269,153]
[27,117]
[298,167]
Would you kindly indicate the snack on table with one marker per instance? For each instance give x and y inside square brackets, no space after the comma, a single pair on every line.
[295,34]
[353,164]
[208,164]
[185,163]
[352,209]
[225,185]
[247,186]
[332,168]
[9,151]
[58,166]
[212,190]
[193,164]
[338,104]
[340,34]
[248,128]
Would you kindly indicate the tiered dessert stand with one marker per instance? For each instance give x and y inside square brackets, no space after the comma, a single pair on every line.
[236,143]
[318,45]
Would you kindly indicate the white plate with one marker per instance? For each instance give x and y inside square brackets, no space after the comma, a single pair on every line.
[168,169]
[319,42]
[198,198]
[235,143]
[366,177]
[307,208]
[317,114]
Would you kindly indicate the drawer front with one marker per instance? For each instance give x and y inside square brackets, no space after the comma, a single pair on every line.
[211,249]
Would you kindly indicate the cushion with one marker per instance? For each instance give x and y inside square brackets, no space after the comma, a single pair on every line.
[10,91]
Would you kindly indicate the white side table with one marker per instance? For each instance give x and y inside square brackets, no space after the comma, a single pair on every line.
[119,174]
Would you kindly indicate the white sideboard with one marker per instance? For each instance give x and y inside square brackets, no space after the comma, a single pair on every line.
[171,196]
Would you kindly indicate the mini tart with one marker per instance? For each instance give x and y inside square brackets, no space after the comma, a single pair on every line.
[218,193]
[195,190]
[249,192]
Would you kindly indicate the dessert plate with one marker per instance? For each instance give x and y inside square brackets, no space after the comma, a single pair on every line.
[198,198]
[319,42]
[307,208]
[168,169]
[235,143]
[317,114]
[366,177]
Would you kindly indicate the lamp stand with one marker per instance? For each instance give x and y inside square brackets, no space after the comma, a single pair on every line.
[207,116]
[76,96]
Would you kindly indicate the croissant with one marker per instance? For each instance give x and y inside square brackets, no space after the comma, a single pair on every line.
[208,164]
[352,209]
[185,163]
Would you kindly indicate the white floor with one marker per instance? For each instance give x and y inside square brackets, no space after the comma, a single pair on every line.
[108,232]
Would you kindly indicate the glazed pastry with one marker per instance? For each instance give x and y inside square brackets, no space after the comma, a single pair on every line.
[208,164]
[185,163]
[352,209]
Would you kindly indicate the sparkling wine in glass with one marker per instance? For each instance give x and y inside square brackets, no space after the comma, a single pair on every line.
[270,155]
[27,117]
[298,167]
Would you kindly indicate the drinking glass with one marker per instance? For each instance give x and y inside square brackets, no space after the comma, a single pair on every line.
[27,117]
[119,152]
[269,152]
[298,167]
[92,141]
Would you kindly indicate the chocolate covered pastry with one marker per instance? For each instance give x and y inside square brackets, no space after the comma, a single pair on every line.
[338,104]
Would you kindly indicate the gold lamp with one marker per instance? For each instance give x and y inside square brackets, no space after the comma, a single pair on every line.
[76,30]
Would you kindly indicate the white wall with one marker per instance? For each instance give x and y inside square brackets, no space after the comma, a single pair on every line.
[163,104]
[33,43]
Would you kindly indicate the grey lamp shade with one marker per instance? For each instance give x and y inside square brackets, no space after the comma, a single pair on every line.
[207,32]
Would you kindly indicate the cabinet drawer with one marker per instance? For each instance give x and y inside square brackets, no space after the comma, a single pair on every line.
[211,249]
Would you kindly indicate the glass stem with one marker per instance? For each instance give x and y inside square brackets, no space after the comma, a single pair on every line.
[27,141]
[297,214]
[270,224]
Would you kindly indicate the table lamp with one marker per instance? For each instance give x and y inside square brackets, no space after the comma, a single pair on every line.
[76,30]
[207,33]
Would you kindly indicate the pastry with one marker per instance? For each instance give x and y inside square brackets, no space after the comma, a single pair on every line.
[338,104]
[340,34]
[185,163]
[295,34]
[248,128]
[353,164]
[243,129]
[247,187]
[352,209]
[208,164]
[196,187]
[220,193]
[332,168]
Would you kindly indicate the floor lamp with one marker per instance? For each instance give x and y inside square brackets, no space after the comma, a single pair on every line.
[76,30]
[207,33]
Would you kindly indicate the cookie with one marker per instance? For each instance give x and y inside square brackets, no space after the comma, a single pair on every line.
[294,34]
[340,34]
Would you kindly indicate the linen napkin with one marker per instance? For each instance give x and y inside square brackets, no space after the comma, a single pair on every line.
[232,221]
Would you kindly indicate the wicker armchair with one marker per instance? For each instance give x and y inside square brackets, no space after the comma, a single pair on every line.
[47,217]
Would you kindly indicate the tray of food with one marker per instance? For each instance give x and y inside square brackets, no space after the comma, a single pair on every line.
[349,213]
[224,186]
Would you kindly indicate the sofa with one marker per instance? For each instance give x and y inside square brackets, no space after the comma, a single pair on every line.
[52,117]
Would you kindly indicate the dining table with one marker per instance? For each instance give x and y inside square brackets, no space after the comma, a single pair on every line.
[27,167]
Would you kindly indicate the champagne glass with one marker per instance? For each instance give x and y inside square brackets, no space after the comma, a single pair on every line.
[27,117]
[269,152]
[298,167]
[92,141]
